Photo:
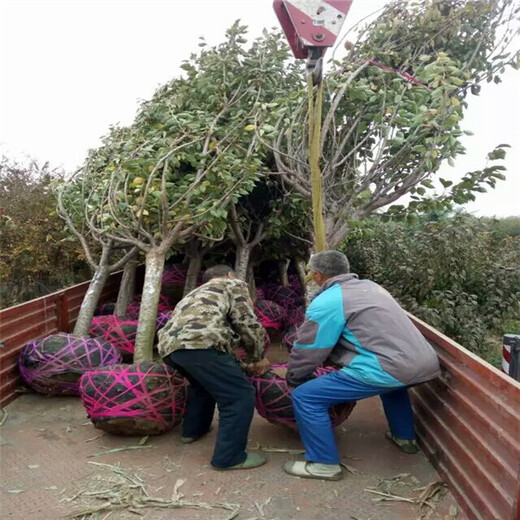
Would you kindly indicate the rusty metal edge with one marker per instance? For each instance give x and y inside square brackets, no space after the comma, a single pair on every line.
[56,322]
[489,382]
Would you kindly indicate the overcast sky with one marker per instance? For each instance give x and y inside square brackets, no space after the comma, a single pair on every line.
[71,68]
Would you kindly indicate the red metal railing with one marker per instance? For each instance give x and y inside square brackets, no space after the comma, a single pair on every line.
[56,312]
[468,422]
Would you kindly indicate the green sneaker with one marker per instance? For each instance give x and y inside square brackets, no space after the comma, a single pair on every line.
[405,445]
[253,460]
[189,440]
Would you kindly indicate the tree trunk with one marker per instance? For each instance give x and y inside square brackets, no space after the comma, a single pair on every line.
[283,266]
[150,300]
[242,260]
[127,288]
[300,270]
[90,301]
[193,273]
[311,289]
[251,281]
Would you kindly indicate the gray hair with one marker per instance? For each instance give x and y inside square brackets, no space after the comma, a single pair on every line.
[329,263]
[217,271]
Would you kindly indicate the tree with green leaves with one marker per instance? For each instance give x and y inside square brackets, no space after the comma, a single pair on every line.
[190,152]
[393,109]
[104,255]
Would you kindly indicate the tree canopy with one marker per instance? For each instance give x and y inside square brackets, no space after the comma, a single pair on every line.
[394,105]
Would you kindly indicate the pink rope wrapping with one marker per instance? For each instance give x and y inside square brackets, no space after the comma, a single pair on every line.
[289,297]
[133,308]
[295,280]
[295,316]
[269,314]
[240,352]
[260,294]
[119,331]
[162,319]
[42,360]
[151,391]
[266,289]
[174,275]
[273,401]
[290,337]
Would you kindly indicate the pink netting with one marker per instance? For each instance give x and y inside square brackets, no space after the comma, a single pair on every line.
[266,289]
[119,331]
[269,314]
[53,365]
[174,275]
[162,319]
[133,308]
[240,353]
[260,294]
[295,280]
[290,337]
[273,401]
[295,316]
[152,395]
[289,297]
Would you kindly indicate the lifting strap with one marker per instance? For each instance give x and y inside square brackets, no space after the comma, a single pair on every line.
[315,108]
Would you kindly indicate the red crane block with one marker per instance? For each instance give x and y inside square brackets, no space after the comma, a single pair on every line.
[311,23]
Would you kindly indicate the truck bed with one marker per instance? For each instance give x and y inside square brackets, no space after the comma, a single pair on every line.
[51,455]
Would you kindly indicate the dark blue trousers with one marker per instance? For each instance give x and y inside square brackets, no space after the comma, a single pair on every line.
[216,377]
[311,402]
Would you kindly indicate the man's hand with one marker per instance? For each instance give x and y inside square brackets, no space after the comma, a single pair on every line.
[259,367]
[281,372]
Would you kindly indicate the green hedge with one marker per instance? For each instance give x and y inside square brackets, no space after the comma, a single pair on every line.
[461,275]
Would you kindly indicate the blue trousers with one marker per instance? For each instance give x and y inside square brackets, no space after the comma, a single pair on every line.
[312,400]
[216,378]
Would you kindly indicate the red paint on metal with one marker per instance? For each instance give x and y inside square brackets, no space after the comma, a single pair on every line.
[62,312]
[305,29]
[340,5]
[468,422]
[28,321]
[295,43]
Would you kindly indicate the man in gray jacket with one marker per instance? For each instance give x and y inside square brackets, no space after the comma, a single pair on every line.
[357,325]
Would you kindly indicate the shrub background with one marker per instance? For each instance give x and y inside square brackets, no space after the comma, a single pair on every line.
[460,274]
[37,254]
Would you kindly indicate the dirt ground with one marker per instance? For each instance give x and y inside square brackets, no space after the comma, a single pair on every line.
[53,465]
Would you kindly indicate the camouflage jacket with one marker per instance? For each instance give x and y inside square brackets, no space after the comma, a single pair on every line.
[218,315]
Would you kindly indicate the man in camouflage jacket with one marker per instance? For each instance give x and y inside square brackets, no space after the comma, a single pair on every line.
[199,340]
